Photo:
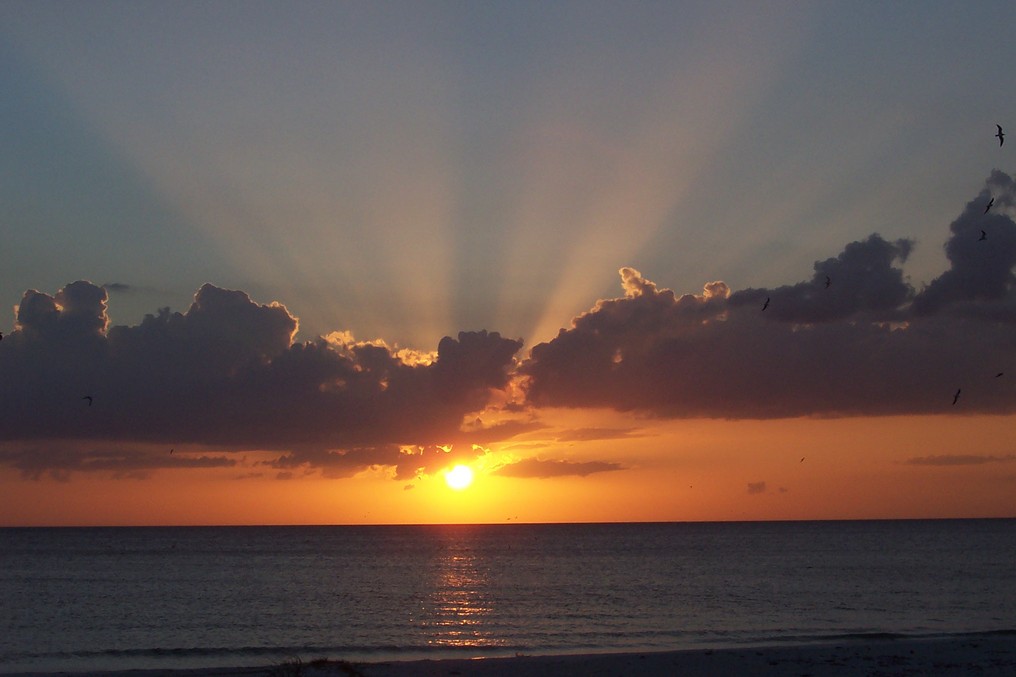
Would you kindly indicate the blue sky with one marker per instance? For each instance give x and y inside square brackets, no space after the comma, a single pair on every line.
[408,170]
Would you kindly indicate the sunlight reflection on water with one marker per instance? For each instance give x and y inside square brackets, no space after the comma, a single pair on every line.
[459,605]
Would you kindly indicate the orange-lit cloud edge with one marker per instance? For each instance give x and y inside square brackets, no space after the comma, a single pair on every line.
[850,394]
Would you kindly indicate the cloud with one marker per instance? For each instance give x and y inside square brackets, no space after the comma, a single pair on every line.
[58,461]
[756,487]
[534,467]
[117,287]
[227,373]
[590,434]
[862,279]
[864,345]
[853,338]
[980,280]
[959,459]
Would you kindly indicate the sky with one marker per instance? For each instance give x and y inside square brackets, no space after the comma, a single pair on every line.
[268,263]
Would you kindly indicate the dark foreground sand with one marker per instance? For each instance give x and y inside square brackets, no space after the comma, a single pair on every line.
[993,655]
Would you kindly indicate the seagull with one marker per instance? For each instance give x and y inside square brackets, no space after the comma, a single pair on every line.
[89,398]
[766,304]
[957,395]
[984,236]
[990,202]
[1000,135]
[828,281]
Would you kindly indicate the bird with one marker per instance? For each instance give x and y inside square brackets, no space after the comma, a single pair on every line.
[999,374]
[766,304]
[957,395]
[802,460]
[984,236]
[89,398]
[990,202]
[1000,135]
[171,451]
[828,281]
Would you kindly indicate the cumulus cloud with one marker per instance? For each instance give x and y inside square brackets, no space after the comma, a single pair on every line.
[227,373]
[865,344]
[534,467]
[982,253]
[853,338]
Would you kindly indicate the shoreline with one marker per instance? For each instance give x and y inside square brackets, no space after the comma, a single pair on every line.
[954,656]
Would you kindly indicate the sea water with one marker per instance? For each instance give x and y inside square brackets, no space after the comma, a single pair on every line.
[122,598]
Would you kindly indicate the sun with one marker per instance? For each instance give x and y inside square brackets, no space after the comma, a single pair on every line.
[459,477]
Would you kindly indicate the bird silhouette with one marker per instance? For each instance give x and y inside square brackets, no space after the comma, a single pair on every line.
[766,304]
[828,281]
[1000,135]
[984,236]
[999,374]
[957,395]
[990,202]
[89,398]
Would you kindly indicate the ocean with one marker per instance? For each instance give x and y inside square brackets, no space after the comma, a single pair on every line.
[77,599]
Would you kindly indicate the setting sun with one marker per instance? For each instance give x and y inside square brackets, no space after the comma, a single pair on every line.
[459,477]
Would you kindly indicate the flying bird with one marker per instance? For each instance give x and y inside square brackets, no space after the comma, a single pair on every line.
[766,304]
[957,395]
[89,398]
[990,202]
[828,281]
[984,236]
[999,374]
[1000,135]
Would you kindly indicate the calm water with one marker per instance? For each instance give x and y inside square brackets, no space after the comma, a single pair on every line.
[118,598]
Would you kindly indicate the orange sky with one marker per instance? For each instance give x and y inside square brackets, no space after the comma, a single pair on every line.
[681,470]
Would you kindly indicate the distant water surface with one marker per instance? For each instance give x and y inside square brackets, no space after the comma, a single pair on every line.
[122,598]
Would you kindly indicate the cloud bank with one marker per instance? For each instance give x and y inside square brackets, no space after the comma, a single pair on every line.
[227,374]
[856,339]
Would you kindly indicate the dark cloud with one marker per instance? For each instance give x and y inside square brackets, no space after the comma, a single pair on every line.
[980,279]
[408,462]
[756,487]
[533,467]
[959,459]
[861,346]
[861,280]
[117,287]
[35,461]
[226,373]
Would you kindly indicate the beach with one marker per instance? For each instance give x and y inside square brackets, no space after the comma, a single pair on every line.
[954,656]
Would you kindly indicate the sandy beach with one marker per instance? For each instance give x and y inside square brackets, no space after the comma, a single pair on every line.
[954,656]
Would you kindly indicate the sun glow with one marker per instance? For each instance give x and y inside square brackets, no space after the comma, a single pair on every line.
[459,477]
